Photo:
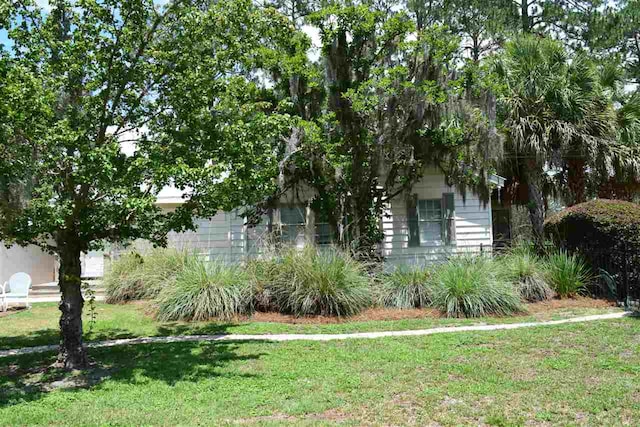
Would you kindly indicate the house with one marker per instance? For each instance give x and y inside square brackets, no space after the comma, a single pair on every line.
[431,222]
[43,266]
[40,265]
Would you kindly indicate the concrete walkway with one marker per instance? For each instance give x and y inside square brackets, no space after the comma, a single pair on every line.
[316,337]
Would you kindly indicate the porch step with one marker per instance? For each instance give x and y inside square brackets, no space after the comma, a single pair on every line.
[56,298]
[51,292]
[46,292]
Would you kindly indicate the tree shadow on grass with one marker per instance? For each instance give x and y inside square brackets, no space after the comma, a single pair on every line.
[211,328]
[51,336]
[30,377]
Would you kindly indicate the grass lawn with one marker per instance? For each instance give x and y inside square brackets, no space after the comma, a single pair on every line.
[39,326]
[579,374]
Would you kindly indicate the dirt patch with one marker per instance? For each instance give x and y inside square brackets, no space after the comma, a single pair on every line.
[45,378]
[367,315]
[381,314]
[568,303]
[373,314]
[78,380]
[332,415]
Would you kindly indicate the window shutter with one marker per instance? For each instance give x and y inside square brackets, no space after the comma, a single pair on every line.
[448,218]
[412,221]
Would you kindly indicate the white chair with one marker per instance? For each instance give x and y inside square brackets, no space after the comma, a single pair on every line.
[16,290]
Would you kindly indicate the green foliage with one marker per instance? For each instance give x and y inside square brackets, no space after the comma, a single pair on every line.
[522,267]
[135,277]
[555,113]
[473,287]
[596,224]
[71,126]
[606,233]
[263,272]
[395,107]
[324,282]
[614,36]
[86,79]
[568,274]
[206,290]
[122,279]
[406,287]
[483,23]
[160,268]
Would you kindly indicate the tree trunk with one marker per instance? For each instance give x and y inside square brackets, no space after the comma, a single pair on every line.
[72,354]
[536,203]
[576,181]
[524,12]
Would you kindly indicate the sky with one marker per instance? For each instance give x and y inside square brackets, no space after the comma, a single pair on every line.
[3,37]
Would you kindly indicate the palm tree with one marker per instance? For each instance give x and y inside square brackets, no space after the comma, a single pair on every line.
[556,117]
[619,178]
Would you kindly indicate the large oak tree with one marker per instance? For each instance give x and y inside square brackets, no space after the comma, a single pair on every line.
[179,85]
[382,103]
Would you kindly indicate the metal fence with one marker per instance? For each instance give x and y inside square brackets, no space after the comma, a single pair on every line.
[617,271]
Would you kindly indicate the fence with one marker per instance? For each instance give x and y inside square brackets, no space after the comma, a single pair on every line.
[617,271]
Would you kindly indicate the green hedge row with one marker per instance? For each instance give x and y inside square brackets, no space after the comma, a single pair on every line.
[606,233]
[331,283]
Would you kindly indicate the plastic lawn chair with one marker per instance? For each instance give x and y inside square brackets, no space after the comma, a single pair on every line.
[16,290]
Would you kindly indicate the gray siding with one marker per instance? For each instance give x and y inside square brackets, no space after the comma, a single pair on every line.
[472,226]
[226,236]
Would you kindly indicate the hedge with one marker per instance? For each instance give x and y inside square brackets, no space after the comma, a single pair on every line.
[597,224]
[607,234]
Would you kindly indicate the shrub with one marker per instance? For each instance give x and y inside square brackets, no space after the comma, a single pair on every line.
[326,282]
[606,233]
[526,271]
[160,269]
[262,274]
[473,287]
[122,281]
[568,274]
[205,290]
[596,224]
[136,277]
[406,287]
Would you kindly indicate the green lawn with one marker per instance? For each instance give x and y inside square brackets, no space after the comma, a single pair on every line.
[39,326]
[580,374]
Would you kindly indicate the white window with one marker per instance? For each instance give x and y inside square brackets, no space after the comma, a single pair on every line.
[322,229]
[292,224]
[430,220]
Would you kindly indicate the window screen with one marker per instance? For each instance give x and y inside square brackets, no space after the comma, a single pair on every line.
[292,220]
[323,230]
[430,220]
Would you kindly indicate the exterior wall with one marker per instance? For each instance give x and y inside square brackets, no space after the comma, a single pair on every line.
[223,236]
[92,264]
[31,260]
[220,237]
[472,223]
[227,237]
